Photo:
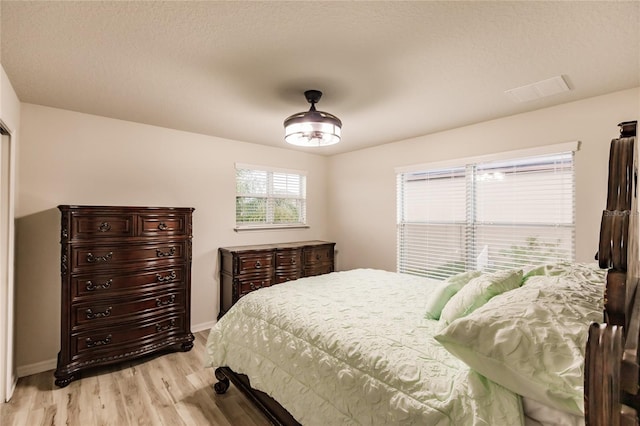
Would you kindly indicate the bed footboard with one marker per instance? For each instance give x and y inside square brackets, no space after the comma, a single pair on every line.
[276,414]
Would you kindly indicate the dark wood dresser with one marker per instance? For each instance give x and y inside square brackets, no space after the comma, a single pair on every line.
[247,268]
[126,285]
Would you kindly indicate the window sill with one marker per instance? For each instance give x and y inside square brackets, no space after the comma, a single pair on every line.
[269,227]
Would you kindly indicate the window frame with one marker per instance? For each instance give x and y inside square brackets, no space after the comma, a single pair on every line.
[270,198]
[468,245]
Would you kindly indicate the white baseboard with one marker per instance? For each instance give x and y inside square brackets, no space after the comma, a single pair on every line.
[39,367]
[203,326]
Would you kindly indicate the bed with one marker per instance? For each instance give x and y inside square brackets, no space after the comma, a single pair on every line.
[523,346]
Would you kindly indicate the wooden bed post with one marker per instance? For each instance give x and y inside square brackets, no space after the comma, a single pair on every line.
[611,358]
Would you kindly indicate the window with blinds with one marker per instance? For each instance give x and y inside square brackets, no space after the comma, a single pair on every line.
[486,215]
[270,198]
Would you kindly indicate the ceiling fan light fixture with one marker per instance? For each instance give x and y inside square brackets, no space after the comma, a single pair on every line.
[312,128]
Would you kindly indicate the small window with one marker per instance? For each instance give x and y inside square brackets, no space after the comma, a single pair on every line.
[270,198]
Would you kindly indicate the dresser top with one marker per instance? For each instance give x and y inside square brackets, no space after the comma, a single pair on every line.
[276,246]
[66,207]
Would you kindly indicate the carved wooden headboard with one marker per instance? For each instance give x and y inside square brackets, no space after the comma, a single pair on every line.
[612,366]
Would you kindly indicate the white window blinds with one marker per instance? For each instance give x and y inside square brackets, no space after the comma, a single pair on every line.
[268,197]
[487,215]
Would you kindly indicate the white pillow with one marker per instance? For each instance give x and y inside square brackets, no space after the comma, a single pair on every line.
[478,291]
[531,340]
[549,416]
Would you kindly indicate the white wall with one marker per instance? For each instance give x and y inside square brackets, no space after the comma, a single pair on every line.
[10,120]
[73,158]
[361,184]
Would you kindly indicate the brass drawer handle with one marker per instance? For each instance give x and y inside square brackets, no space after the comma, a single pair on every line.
[91,343]
[171,276]
[163,226]
[171,324]
[258,264]
[104,227]
[171,252]
[92,315]
[169,301]
[93,259]
[252,286]
[91,286]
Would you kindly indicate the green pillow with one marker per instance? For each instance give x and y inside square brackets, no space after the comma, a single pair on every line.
[531,340]
[478,292]
[445,291]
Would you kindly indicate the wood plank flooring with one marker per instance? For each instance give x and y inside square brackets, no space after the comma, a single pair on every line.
[165,390]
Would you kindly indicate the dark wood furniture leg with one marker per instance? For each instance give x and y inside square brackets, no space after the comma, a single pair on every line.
[276,414]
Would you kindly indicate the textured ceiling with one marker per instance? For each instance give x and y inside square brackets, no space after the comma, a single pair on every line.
[389,70]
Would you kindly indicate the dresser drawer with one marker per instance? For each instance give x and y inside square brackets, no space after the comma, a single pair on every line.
[106,257]
[246,285]
[150,225]
[288,265]
[288,259]
[138,334]
[109,284]
[103,311]
[318,270]
[283,277]
[317,255]
[101,226]
[255,263]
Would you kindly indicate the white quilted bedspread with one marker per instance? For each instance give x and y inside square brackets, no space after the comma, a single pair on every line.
[354,348]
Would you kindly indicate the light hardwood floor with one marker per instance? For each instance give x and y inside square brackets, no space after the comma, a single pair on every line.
[166,390]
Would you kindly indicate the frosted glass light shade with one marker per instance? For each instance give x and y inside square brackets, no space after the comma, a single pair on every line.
[312,128]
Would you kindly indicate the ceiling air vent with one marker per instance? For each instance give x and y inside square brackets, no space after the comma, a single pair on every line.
[540,89]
